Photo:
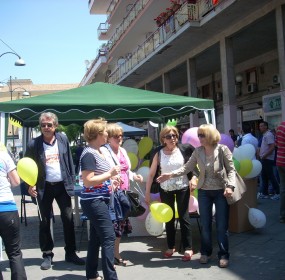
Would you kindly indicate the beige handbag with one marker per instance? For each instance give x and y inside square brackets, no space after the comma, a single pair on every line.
[240,186]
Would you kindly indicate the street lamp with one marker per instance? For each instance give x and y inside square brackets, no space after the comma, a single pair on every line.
[24,94]
[19,62]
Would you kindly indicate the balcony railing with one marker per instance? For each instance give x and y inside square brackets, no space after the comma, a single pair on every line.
[132,14]
[193,12]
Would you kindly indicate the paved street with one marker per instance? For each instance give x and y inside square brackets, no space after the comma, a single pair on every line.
[257,254]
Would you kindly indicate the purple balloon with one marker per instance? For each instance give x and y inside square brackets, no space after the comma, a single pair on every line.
[190,137]
[155,197]
[228,141]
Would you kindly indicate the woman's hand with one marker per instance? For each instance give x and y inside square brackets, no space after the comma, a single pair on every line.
[115,170]
[138,178]
[193,183]
[228,192]
[163,177]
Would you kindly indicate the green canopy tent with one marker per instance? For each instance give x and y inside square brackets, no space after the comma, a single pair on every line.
[112,102]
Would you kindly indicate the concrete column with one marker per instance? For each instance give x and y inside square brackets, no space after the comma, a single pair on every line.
[280,46]
[192,88]
[228,83]
[165,83]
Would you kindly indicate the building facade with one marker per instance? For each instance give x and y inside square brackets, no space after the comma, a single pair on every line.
[231,51]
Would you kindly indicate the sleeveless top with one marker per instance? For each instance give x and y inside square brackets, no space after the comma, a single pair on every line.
[168,163]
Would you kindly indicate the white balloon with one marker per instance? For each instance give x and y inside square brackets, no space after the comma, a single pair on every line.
[144,171]
[131,146]
[256,218]
[152,226]
[256,169]
[236,153]
[247,151]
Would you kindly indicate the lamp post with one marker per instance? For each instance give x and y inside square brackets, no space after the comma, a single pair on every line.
[11,90]
[19,62]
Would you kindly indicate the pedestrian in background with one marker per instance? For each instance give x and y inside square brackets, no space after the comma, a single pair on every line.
[267,155]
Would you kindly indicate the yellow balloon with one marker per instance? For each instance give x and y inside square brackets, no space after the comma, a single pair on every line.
[28,170]
[145,163]
[161,212]
[134,160]
[176,211]
[245,167]
[145,146]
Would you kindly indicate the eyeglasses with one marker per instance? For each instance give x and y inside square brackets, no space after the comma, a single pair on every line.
[47,125]
[170,136]
[118,136]
[201,135]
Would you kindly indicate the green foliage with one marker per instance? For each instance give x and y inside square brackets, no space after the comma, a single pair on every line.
[72,131]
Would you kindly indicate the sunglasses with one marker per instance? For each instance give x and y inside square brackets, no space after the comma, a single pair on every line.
[170,136]
[201,135]
[47,125]
[118,136]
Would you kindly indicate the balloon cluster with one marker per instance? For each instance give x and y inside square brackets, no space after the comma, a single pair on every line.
[245,163]
[244,156]
[137,152]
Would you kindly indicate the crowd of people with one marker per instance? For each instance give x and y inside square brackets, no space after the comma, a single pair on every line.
[105,168]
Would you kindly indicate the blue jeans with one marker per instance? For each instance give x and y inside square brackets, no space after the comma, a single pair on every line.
[206,199]
[101,234]
[10,233]
[281,170]
[182,200]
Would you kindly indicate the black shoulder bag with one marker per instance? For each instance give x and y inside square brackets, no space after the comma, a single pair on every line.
[155,186]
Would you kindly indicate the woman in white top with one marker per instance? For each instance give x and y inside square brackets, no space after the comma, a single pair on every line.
[171,157]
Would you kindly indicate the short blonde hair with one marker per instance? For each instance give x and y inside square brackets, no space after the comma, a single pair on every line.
[166,130]
[212,135]
[114,129]
[93,128]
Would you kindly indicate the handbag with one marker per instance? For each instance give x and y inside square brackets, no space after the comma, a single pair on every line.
[136,208]
[121,205]
[155,186]
[240,186]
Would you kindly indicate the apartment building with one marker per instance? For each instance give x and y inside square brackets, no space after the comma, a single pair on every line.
[231,51]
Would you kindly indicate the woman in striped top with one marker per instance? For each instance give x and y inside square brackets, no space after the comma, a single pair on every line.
[96,175]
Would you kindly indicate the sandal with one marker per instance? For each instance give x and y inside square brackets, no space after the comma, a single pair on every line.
[121,262]
[168,253]
[187,256]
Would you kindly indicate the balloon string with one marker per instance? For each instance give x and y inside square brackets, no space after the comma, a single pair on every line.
[247,206]
[39,209]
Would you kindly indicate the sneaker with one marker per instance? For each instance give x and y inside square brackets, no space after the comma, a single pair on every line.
[46,264]
[263,196]
[73,258]
[275,197]
[223,263]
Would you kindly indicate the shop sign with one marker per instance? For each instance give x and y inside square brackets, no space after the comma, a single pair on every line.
[252,115]
[271,103]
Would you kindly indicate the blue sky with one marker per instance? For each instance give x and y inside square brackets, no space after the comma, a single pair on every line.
[54,37]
